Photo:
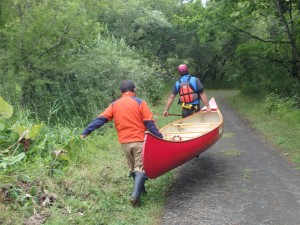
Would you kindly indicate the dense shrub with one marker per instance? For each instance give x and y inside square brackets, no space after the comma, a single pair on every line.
[278,106]
[99,69]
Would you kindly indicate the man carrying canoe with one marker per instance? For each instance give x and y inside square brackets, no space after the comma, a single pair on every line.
[132,117]
[190,90]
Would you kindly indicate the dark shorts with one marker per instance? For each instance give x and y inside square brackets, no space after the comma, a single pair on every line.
[189,112]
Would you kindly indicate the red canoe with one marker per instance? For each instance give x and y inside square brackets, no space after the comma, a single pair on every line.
[183,140]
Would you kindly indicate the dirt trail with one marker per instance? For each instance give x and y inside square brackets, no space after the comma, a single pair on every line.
[243,179]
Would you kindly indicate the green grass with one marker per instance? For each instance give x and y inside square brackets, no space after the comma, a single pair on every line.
[94,187]
[247,174]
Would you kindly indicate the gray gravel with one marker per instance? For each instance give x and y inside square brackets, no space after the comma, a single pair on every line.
[243,179]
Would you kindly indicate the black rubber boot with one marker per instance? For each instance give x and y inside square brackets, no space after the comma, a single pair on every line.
[144,191]
[132,174]
[139,182]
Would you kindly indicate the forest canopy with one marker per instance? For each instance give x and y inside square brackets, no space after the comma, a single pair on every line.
[69,56]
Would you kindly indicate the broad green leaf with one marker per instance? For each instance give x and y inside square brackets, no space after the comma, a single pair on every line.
[61,155]
[23,135]
[27,133]
[25,178]
[19,129]
[64,157]
[10,160]
[3,165]
[35,130]
[33,191]
[13,159]
[6,110]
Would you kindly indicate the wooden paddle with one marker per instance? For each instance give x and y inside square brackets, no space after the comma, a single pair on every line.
[170,114]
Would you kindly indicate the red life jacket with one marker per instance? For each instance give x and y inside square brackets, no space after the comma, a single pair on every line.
[187,92]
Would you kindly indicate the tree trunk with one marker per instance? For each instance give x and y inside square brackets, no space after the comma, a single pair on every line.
[295,58]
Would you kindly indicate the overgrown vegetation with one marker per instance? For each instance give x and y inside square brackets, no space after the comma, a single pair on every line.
[54,54]
[51,176]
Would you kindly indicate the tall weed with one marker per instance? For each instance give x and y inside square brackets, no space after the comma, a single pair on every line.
[279,106]
[65,180]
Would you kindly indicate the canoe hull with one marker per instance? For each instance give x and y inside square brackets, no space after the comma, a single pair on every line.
[161,156]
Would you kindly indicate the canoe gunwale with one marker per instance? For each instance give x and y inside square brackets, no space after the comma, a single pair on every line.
[212,127]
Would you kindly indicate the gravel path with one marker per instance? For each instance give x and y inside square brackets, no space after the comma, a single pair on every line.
[243,179]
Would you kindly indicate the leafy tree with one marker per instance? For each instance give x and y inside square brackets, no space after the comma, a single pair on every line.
[197,42]
[45,40]
[99,69]
[39,37]
[141,24]
[261,38]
